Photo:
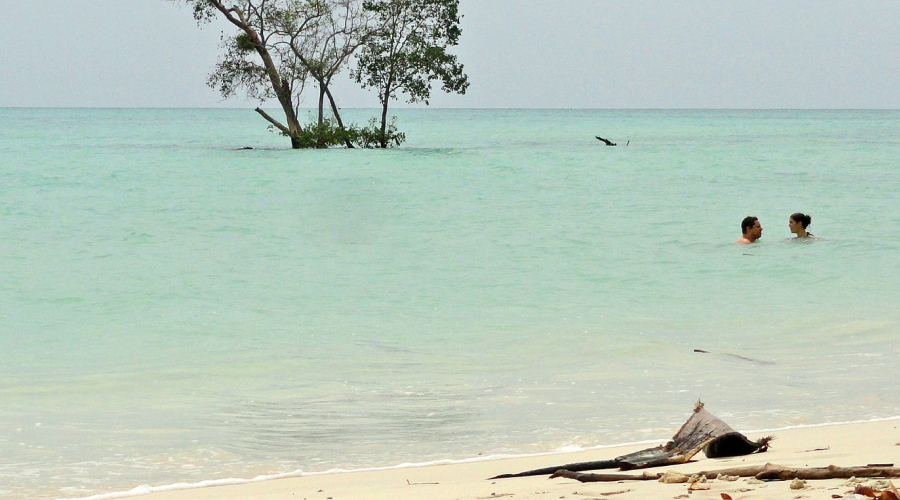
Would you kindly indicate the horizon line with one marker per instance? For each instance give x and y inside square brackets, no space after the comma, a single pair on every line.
[456,108]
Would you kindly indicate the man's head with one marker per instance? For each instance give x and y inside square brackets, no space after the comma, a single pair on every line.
[751,228]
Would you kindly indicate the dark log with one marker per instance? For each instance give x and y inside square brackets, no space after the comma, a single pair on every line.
[606,141]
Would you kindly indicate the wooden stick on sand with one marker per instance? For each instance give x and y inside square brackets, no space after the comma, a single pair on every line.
[767,472]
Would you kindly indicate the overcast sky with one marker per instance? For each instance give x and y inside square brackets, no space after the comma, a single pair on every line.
[517,53]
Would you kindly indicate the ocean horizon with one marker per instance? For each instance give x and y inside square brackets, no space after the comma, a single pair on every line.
[175,310]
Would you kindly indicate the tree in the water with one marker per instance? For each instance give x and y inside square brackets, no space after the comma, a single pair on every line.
[407,50]
[256,60]
[325,50]
[278,47]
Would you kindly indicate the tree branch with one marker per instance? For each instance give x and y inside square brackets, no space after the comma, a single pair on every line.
[273,121]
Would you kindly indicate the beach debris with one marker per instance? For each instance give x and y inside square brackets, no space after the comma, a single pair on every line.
[815,449]
[864,490]
[767,472]
[886,493]
[414,484]
[798,484]
[672,477]
[702,431]
[697,478]
[618,492]
[697,486]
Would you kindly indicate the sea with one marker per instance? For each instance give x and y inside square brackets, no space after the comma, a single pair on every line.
[176,310]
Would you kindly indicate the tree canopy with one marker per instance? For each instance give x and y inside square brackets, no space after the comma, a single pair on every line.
[407,51]
[281,45]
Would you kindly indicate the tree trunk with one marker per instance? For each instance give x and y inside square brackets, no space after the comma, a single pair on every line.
[281,88]
[293,135]
[384,108]
[321,103]
[337,115]
[284,98]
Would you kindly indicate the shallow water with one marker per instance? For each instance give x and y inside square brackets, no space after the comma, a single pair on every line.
[175,310]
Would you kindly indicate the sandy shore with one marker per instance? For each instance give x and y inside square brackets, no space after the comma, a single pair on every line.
[841,444]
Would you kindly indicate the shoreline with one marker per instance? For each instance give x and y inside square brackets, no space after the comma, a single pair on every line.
[842,444]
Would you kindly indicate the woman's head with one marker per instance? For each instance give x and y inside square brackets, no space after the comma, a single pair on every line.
[803,219]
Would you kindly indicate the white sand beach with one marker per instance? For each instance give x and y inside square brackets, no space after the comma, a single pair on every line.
[843,445]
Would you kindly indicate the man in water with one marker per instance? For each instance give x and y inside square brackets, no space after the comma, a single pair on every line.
[751,229]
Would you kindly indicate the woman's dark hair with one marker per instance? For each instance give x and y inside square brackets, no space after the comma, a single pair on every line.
[803,219]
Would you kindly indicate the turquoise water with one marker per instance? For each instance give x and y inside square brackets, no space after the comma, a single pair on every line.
[173,309]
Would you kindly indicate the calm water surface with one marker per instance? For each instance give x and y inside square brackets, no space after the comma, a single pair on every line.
[173,309]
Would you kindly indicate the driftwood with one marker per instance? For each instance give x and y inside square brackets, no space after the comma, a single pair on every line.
[767,472]
[702,431]
[605,141]
[606,478]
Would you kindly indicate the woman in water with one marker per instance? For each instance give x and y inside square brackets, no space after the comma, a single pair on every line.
[798,224]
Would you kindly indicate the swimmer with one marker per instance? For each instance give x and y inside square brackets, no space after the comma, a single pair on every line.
[751,229]
[798,224]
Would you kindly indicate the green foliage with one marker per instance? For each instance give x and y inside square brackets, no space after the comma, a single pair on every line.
[329,134]
[371,136]
[244,42]
[407,51]
[204,11]
[322,135]
[239,69]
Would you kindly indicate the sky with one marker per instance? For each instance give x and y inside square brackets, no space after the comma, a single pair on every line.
[644,54]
